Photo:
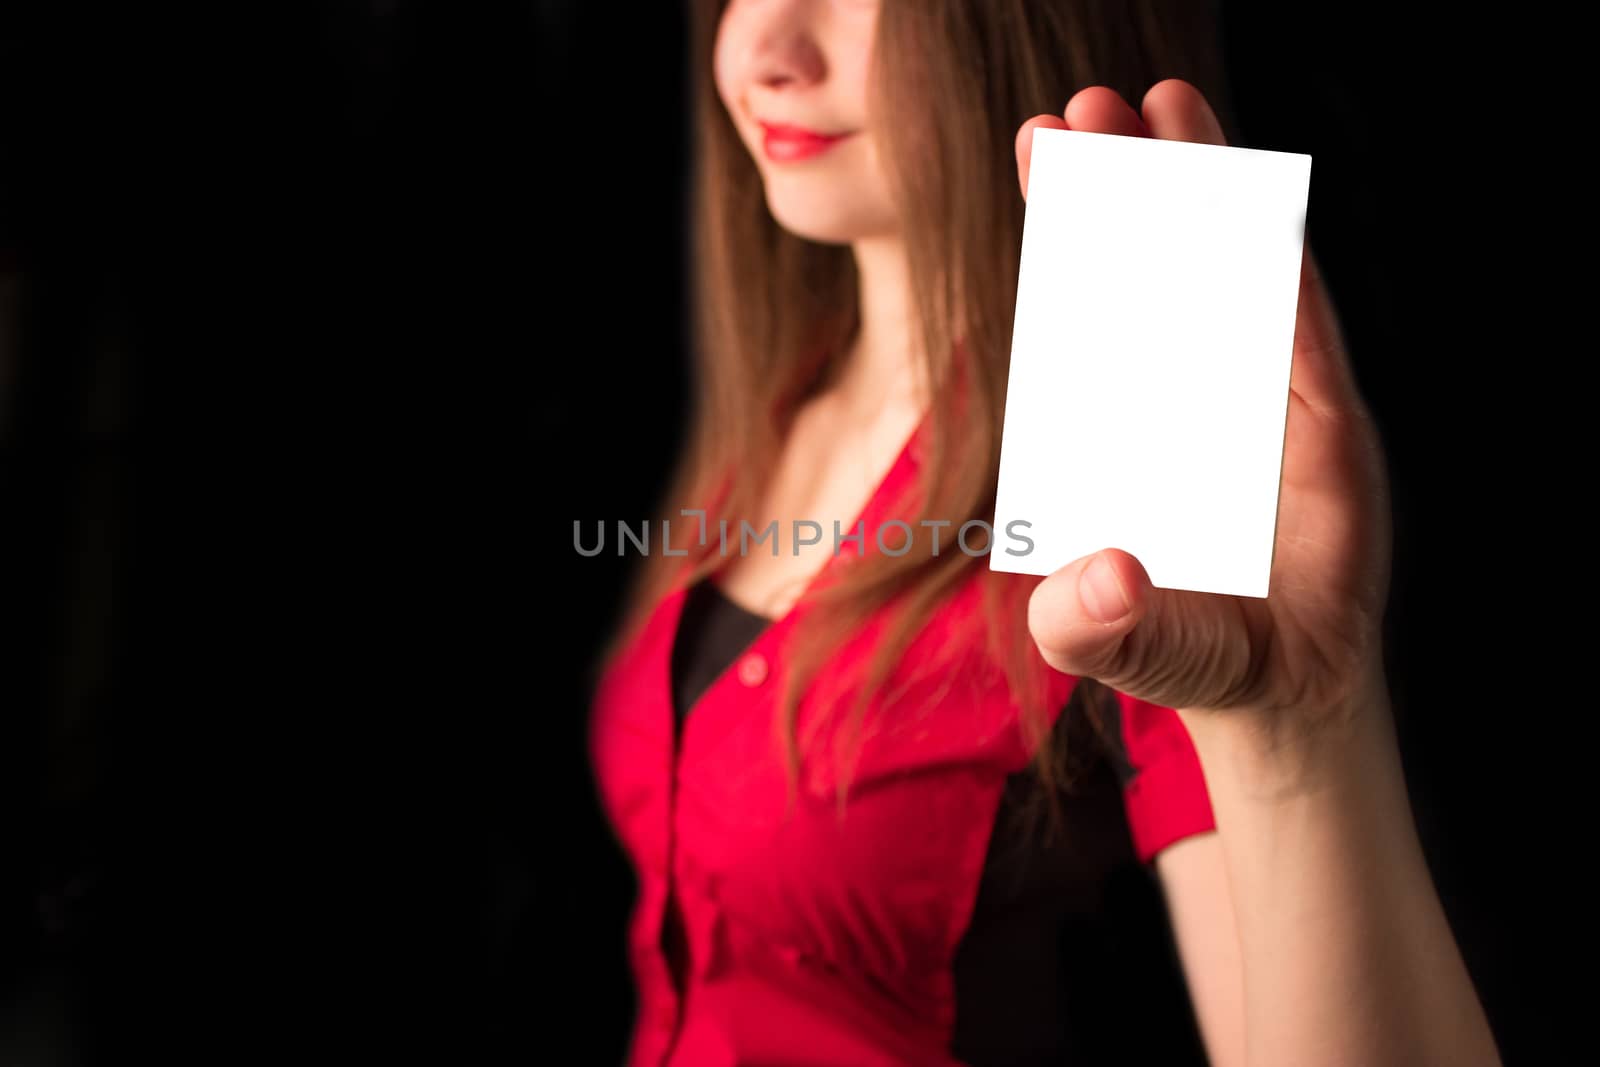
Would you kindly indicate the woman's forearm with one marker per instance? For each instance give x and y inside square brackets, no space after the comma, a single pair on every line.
[1347,955]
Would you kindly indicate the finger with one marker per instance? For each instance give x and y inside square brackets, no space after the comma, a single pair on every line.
[1321,374]
[1101,109]
[1100,617]
[1097,109]
[1025,144]
[1176,111]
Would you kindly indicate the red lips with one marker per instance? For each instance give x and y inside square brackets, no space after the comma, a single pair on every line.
[786,144]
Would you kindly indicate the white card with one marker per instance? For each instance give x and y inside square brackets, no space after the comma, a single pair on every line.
[1150,358]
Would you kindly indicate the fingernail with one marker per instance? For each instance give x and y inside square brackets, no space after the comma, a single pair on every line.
[1101,593]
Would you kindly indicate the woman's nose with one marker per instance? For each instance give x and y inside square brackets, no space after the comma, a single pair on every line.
[785,49]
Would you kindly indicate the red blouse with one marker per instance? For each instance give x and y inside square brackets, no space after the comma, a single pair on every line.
[815,939]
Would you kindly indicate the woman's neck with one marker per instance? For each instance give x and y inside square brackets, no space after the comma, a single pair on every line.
[884,365]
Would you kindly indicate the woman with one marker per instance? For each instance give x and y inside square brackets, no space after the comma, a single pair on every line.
[829,765]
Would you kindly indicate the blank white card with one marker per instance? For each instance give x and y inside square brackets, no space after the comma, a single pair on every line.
[1150,358]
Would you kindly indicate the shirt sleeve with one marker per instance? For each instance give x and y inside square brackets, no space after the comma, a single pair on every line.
[1163,788]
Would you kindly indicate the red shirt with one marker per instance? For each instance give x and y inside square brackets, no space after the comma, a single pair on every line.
[813,939]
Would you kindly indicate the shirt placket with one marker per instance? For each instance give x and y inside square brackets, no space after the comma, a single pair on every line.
[688,913]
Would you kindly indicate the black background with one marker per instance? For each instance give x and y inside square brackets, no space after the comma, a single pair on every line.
[323,322]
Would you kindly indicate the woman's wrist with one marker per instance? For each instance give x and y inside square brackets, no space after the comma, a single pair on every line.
[1270,755]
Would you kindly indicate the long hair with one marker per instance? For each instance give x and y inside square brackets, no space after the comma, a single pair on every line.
[773,312]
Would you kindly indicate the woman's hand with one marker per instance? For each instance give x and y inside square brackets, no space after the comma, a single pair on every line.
[1312,650]
[1316,875]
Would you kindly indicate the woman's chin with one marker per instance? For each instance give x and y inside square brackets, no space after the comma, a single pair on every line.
[825,220]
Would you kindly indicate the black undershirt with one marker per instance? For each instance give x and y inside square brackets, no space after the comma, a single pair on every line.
[1068,958]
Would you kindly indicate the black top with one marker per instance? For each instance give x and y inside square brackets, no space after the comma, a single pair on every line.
[1069,957]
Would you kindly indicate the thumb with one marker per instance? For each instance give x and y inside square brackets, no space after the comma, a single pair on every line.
[1100,617]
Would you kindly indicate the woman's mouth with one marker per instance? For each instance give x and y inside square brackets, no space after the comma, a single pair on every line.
[787,144]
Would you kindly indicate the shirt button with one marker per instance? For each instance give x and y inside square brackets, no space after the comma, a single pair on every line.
[753,669]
